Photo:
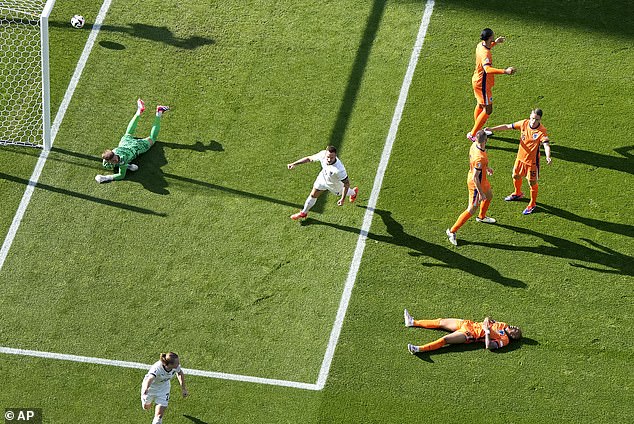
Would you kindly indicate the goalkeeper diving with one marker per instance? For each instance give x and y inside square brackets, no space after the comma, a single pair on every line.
[120,158]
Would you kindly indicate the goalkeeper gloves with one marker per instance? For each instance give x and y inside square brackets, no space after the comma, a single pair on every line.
[104,178]
[132,167]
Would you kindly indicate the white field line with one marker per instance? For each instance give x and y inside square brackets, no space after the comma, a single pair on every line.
[35,176]
[145,367]
[354,266]
[374,196]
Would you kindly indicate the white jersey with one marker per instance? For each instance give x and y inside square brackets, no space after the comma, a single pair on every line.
[331,174]
[161,376]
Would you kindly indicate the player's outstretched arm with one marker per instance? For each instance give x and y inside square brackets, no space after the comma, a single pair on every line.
[502,127]
[298,162]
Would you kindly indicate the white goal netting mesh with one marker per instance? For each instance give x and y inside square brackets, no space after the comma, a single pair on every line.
[21,110]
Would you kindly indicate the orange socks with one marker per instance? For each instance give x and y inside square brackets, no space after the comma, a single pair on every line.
[479,123]
[484,207]
[517,183]
[534,190]
[427,323]
[433,345]
[464,217]
[476,112]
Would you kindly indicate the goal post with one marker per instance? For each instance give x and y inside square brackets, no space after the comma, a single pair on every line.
[24,73]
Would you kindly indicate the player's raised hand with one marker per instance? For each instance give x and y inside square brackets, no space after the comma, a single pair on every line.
[290,166]
[509,71]
[489,171]
[500,40]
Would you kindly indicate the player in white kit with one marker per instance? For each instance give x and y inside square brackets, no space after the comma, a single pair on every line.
[333,177]
[156,384]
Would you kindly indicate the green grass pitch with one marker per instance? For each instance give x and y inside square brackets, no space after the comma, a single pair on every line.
[196,253]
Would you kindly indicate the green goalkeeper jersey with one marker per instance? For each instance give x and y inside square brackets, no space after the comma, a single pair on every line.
[129,149]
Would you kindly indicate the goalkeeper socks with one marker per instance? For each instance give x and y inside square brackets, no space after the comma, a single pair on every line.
[433,345]
[310,202]
[427,323]
[156,127]
[132,125]
[464,217]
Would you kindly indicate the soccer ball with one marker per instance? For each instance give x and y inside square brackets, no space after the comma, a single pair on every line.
[77,21]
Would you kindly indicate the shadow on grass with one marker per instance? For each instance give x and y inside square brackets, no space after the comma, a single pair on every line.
[584,157]
[448,257]
[146,32]
[194,419]
[83,196]
[618,263]
[612,227]
[468,347]
[354,83]
[155,180]
[612,17]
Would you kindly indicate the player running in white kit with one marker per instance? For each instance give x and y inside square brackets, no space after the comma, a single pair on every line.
[333,177]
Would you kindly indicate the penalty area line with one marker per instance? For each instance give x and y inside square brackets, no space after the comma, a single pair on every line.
[145,367]
[37,171]
[374,196]
[354,266]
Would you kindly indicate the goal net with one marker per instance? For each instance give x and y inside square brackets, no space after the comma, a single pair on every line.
[24,73]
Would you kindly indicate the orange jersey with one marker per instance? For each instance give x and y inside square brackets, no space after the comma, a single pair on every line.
[530,140]
[475,333]
[482,80]
[478,160]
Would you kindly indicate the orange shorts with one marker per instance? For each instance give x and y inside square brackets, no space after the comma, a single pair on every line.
[473,191]
[525,170]
[472,330]
[483,95]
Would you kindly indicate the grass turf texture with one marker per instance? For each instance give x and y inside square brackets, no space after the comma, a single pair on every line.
[195,252]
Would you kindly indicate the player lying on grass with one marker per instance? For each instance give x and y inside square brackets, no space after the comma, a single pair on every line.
[333,177]
[494,334]
[156,384]
[130,147]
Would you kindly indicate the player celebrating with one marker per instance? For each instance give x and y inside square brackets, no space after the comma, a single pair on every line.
[532,135]
[494,334]
[333,177]
[156,384]
[478,185]
[130,147]
[483,80]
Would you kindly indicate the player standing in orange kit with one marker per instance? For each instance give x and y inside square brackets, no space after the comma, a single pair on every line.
[479,187]
[533,134]
[494,334]
[483,80]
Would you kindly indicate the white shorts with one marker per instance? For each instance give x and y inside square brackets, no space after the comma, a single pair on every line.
[335,188]
[159,397]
